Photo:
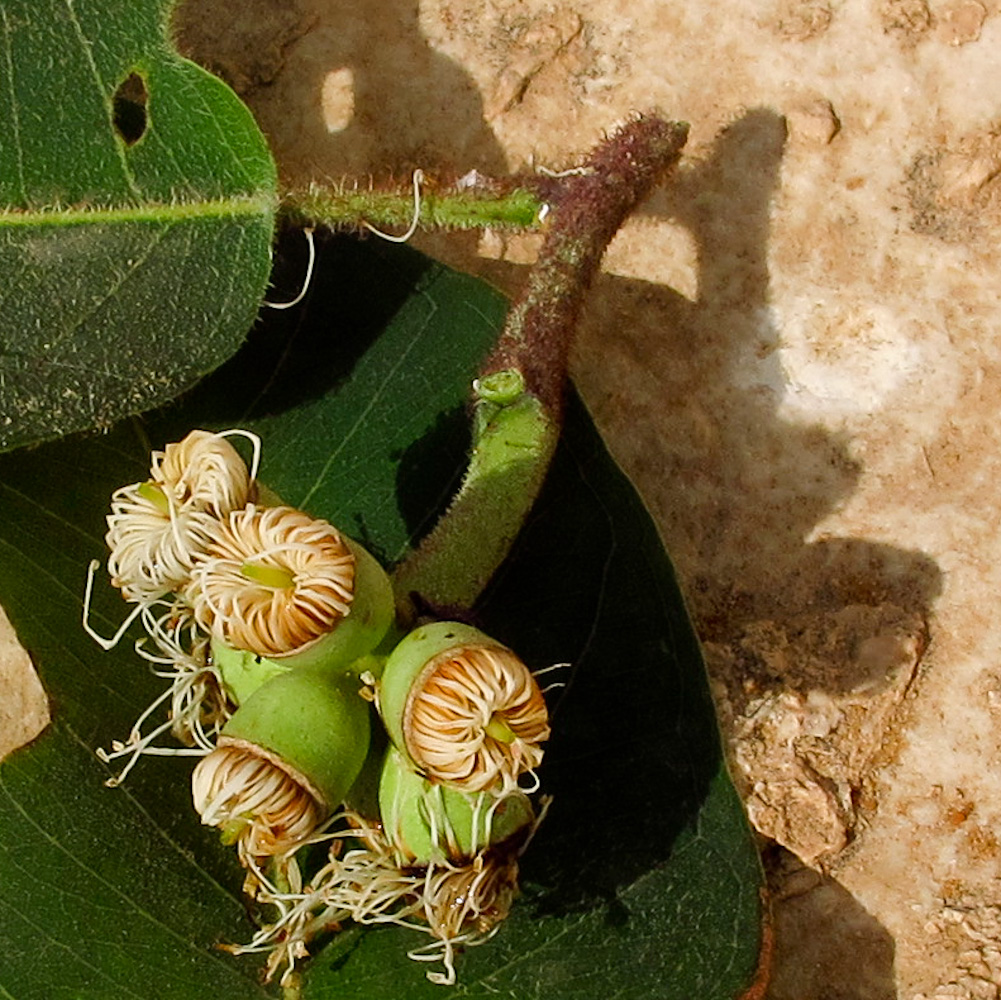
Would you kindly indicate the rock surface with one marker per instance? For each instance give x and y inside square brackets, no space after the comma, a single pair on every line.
[24,708]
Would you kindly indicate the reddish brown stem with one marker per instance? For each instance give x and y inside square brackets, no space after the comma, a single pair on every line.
[588,208]
[518,413]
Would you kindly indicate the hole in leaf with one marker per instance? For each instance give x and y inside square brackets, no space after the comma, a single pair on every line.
[129,109]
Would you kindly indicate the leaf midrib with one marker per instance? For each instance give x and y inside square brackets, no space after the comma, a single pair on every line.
[247,205]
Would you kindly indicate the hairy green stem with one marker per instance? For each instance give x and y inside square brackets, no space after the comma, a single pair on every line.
[518,399]
[472,202]
[513,440]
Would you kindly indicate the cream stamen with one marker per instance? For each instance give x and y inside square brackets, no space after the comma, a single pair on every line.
[260,806]
[272,580]
[477,720]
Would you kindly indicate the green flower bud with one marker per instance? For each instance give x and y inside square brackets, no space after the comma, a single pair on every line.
[426,822]
[285,758]
[463,707]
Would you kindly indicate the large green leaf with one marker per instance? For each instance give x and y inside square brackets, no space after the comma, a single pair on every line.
[137,202]
[642,882]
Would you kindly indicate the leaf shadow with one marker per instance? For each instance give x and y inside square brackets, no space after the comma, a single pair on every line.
[382,95]
[305,352]
[738,488]
[430,471]
[741,486]
[826,942]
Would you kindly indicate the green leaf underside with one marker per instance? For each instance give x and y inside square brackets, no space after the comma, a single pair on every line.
[642,881]
[130,269]
[117,908]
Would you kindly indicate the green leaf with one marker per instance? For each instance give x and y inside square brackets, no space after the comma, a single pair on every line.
[137,205]
[643,880]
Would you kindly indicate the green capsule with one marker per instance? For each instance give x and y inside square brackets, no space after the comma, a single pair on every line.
[351,648]
[408,665]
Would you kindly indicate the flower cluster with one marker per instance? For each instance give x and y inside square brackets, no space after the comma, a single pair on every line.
[410,757]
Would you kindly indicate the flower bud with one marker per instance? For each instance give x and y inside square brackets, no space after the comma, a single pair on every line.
[464,708]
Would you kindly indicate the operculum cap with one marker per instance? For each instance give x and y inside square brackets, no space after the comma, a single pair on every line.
[312,721]
[426,822]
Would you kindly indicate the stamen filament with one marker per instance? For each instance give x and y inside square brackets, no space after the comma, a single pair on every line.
[478,720]
[122,629]
[272,580]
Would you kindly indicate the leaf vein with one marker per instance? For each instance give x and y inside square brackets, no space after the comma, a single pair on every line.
[374,400]
[130,903]
[121,280]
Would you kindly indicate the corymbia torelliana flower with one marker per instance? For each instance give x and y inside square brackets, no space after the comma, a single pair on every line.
[205,470]
[156,527]
[280,584]
[272,630]
[464,708]
[284,761]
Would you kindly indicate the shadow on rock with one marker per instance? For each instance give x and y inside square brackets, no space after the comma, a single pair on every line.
[827,945]
[690,394]
[359,89]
